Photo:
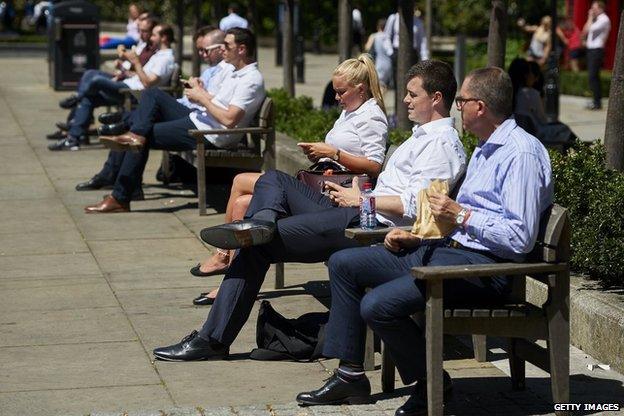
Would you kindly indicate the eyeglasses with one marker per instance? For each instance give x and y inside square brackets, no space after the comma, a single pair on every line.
[210,48]
[460,101]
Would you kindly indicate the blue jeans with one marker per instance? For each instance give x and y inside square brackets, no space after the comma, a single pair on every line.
[98,90]
[394,296]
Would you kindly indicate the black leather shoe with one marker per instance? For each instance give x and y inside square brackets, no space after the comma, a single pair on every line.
[416,405]
[69,102]
[68,143]
[203,299]
[338,390]
[57,135]
[96,182]
[110,118]
[112,129]
[239,234]
[63,126]
[192,348]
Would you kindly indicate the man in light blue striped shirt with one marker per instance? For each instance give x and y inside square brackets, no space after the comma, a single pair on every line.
[507,187]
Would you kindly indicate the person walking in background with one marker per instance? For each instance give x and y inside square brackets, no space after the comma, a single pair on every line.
[233,20]
[541,45]
[132,31]
[572,40]
[357,29]
[380,47]
[597,30]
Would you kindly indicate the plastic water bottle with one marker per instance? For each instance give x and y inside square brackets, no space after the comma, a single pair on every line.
[368,220]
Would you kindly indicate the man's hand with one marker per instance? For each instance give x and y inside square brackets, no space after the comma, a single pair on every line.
[315,151]
[131,57]
[443,208]
[196,93]
[196,82]
[398,239]
[344,197]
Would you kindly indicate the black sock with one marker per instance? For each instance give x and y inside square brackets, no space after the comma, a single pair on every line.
[265,215]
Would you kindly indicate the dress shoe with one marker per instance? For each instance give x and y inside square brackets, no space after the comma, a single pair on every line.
[68,143]
[239,234]
[57,135]
[196,271]
[112,129]
[61,125]
[108,205]
[338,390]
[203,299]
[593,107]
[127,141]
[69,102]
[416,405]
[192,348]
[110,118]
[96,182]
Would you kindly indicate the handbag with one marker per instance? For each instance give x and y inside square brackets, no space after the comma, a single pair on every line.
[329,171]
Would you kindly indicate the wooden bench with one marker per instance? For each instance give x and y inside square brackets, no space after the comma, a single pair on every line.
[133,96]
[517,320]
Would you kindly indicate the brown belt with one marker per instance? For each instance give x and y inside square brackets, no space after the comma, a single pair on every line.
[455,244]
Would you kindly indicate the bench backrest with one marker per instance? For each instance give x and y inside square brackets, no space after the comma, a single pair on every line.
[553,239]
[265,118]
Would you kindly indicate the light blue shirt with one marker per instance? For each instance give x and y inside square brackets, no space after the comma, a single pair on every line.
[232,20]
[205,77]
[508,186]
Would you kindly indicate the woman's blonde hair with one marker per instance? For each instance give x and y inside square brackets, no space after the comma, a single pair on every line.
[361,70]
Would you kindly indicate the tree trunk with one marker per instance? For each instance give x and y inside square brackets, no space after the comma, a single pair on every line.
[405,59]
[179,55]
[428,24]
[614,132]
[288,49]
[196,24]
[498,34]
[344,30]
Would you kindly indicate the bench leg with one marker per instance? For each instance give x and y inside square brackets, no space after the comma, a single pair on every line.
[558,314]
[387,370]
[165,167]
[201,176]
[479,345]
[434,345]
[369,350]
[279,275]
[517,366]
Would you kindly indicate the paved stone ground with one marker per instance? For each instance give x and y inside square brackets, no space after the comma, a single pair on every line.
[84,299]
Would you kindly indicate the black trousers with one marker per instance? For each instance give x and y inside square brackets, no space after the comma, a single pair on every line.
[309,229]
[595,58]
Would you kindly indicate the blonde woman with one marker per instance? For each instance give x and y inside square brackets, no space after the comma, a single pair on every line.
[357,142]
[540,45]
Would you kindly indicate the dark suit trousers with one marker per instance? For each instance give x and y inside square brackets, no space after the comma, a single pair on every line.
[395,295]
[164,123]
[309,230]
[595,58]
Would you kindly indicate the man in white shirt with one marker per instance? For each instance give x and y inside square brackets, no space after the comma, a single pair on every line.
[597,30]
[103,91]
[233,20]
[162,123]
[289,221]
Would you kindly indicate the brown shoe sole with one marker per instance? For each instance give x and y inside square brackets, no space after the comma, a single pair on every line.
[110,143]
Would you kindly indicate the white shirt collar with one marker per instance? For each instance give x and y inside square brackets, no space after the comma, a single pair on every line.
[432,126]
[247,68]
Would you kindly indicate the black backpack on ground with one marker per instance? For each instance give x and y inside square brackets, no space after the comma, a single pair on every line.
[280,338]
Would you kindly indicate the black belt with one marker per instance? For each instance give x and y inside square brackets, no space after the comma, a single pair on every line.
[455,244]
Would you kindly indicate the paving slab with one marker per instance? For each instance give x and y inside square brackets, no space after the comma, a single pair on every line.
[54,242]
[32,217]
[26,186]
[35,265]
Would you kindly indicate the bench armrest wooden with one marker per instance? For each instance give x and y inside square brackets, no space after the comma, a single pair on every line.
[485,270]
[368,237]
[202,133]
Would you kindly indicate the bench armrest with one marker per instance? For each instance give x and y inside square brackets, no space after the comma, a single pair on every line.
[485,270]
[368,237]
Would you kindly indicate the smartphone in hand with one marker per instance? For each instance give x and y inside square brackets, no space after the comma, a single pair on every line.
[185,83]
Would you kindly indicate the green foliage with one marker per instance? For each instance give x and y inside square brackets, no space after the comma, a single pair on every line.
[298,118]
[576,83]
[593,194]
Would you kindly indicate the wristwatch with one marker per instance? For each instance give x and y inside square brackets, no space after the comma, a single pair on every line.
[461,216]
[336,157]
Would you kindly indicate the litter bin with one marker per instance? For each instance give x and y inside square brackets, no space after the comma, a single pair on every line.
[73,42]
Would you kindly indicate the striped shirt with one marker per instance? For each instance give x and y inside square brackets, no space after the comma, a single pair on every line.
[508,185]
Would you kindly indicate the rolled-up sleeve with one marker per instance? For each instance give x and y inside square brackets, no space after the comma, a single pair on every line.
[372,132]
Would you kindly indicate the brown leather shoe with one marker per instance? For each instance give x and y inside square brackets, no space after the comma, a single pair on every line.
[123,142]
[108,205]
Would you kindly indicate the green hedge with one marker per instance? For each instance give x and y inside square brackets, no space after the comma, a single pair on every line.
[592,193]
[576,83]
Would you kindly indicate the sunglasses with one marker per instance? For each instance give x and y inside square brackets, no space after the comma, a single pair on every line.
[210,48]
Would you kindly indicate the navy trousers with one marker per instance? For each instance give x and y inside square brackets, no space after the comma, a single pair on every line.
[164,123]
[95,89]
[595,58]
[395,295]
[309,229]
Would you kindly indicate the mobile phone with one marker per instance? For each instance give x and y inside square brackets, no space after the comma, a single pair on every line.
[185,83]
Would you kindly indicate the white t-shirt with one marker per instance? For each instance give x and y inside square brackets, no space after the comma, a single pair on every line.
[362,132]
[160,64]
[420,37]
[212,78]
[233,20]
[434,151]
[243,89]
[598,32]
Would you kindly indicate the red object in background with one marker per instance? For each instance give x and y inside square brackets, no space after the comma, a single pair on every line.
[577,10]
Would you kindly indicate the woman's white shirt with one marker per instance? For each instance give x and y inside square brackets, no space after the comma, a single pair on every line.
[362,132]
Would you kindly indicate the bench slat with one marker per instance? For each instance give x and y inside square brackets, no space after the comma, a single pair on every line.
[485,270]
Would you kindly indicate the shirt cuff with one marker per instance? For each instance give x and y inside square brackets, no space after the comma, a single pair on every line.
[476,225]
[409,205]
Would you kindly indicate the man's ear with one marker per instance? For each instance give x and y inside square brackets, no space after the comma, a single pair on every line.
[437,97]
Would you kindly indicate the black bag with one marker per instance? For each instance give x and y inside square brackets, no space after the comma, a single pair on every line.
[314,176]
[280,338]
